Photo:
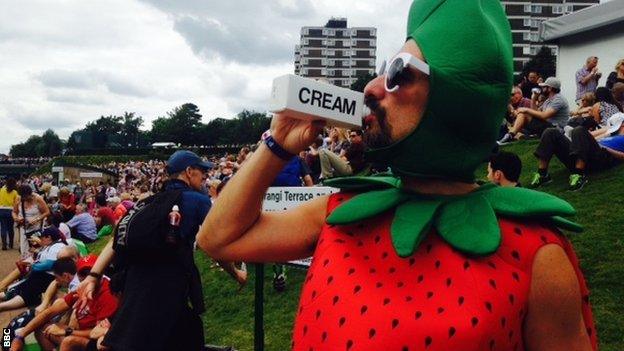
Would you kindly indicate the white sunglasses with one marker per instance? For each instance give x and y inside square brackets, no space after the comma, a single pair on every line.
[397,67]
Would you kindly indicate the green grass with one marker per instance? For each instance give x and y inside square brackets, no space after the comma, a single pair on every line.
[600,205]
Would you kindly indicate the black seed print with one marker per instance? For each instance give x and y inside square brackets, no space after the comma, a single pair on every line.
[366,258]
[408,298]
[342,321]
[517,231]
[448,282]
[379,285]
[515,276]
[466,264]
[503,322]
[339,241]
[586,299]
[493,283]
[384,255]
[349,344]
[340,199]
[313,293]
[400,284]
[372,271]
[335,300]
[428,341]
[391,270]
[474,321]
[395,323]
[330,279]
[510,335]
[429,294]
[346,255]
[324,336]
[357,289]
[300,309]
[360,243]
[371,333]
[418,315]
[405,348]
[318,314]
[429,248]
[305,329]
[377,238]
[420,278]
[491,344]
[325,263]
[437,264]
[351,271]
[460,300]
[488,306]
[451,332]
[589,331]
[512,298]
[491,264]
[544,240]
[363,309]
[440,310]
[515,255]
[386,301]
[412,261]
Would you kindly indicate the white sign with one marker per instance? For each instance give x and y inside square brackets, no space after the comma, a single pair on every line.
[57,169]
[284,198]
[91,175]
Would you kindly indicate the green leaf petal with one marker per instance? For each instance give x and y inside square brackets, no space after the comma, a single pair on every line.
[469,224]
[411,223]
[366,205]
[359,183]
[566,224]
[521,202]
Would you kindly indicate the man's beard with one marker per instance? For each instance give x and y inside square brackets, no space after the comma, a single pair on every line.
[381,137]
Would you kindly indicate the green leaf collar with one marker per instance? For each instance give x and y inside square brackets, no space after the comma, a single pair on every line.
[467,222]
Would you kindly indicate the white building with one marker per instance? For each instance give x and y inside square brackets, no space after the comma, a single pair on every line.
[594,31]
[336,53]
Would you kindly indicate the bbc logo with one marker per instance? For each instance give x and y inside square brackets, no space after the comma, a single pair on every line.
[6,337]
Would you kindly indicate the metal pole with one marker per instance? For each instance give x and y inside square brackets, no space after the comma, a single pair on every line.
[259,308]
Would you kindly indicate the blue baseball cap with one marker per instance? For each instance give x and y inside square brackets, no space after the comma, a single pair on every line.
[184,158]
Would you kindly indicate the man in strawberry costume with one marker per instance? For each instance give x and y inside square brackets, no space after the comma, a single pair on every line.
[424,258]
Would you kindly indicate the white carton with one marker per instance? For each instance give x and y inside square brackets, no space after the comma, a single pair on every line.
[306,98]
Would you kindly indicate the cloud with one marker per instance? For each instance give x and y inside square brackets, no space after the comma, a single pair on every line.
[92,79]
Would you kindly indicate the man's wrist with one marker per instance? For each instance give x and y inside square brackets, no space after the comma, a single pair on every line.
[277,149]
[95,275]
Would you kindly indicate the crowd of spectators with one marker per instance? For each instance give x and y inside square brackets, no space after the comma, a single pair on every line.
[585,137]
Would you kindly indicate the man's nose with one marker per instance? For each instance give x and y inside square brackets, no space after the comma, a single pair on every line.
[375,88]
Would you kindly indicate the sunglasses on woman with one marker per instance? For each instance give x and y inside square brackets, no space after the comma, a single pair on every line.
[397,70]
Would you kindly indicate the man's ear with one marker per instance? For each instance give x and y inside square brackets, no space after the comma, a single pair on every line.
[498,175]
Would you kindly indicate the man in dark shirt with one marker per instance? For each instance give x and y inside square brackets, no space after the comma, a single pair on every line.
[529,84]
[154,313]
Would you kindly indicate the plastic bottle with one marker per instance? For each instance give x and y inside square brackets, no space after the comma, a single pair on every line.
[174,225]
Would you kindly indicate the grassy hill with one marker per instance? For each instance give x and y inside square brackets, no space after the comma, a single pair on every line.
[229,317]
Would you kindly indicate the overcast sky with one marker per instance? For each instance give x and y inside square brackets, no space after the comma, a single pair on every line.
[64,63]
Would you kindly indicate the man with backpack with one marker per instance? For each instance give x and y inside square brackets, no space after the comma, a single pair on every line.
[152,255]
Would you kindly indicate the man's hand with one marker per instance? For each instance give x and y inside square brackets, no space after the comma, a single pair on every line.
[85,291]
[241,278]
[523,110]
[54,330]
[100,329]
[294,135]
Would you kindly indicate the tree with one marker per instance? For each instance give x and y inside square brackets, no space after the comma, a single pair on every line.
[544,63]
[179,126]
[131,129]
[104,128]
[47,145]
[362,80]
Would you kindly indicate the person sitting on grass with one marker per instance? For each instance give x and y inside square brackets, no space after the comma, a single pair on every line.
[504,169]
[587,151]
[105,221]
[76,335]
[554,112]
[28,293]
[605,106]
[83,225]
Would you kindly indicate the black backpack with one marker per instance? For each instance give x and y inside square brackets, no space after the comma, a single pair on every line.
[142,232]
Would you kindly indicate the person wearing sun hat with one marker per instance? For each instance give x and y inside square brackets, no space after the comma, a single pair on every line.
[585,151]
[422,258]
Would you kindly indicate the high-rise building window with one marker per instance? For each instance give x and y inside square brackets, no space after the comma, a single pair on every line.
[527,8]
[527,22]
[558,9]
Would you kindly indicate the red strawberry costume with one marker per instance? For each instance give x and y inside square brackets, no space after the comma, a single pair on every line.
[360,295]
[399,270]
